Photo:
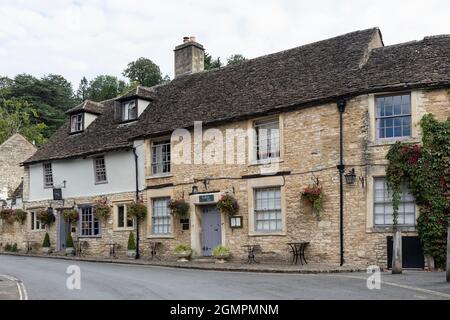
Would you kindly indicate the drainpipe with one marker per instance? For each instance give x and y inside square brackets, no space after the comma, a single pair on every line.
[137,199]
[341,168]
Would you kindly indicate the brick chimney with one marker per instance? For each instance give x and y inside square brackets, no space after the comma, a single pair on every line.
[189,57]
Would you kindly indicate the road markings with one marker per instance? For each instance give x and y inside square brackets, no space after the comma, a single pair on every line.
[403,286]
[23,295]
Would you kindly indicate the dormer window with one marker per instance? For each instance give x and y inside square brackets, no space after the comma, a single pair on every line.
[76,123]
[129,110]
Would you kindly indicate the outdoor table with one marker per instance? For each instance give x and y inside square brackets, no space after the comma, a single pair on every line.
[154,248]
[298,251]
[29,245]
[79,245]
[251,252]
[112,249]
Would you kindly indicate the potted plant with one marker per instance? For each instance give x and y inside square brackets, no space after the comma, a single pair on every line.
[70,250]
[314,196]
[179,207]
[102,210]
[183,252]
[45,217]
[14,248]
[70,215]
[221,253]
[131,248]
[46,244]
[228,204]
[137,210]
[20,216]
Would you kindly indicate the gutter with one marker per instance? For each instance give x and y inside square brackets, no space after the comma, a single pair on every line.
[341,169]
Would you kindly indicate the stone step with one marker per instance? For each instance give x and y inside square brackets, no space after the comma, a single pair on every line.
[204,260]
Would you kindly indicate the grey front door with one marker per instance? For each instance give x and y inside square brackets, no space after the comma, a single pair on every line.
[211,229]
[63,231]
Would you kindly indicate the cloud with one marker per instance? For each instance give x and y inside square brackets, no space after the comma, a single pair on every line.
[87,38]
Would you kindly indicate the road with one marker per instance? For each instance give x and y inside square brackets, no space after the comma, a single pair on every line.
[45,278]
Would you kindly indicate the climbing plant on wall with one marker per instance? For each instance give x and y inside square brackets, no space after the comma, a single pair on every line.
[426,168]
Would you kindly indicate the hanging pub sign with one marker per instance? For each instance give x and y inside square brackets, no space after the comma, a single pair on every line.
[57,194]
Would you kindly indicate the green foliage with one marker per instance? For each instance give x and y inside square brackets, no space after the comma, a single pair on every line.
[211,63]
[7,215]
[17,116]
[45,217]
[69,241]
[70,215]
[221,250]
[315,197]
[182,247]
[102,210]
[82,92]
[14,248]
[8,247]
[131,242]
[20,216]
[137,210]
[426,169]
[105,87]
[144,72]
[179,207]
[235,59]
[46,242]
[228,204]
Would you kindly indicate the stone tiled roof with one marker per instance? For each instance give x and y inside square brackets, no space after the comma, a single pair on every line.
[306,75]
[87,106]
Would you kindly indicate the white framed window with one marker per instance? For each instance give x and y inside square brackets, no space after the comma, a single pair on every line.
[161,222]
[100,170]
[77,122]
[267,139]
[89,224]
[383,209]
[123,221]
[161,157]
[393,116]
[129,110]
[48,175]
[35,224]
[267,212]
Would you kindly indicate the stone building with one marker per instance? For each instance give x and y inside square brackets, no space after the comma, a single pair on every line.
[261,131]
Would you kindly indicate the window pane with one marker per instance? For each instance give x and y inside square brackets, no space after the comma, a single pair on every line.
[121,216]
[267,139]
[100,169]
[161,157]
[160,216]
[268,215]
[393,116]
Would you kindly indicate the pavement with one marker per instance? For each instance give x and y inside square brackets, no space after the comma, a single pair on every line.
[48,278]
[11,288]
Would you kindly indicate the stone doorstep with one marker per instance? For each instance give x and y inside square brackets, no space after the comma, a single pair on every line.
[229,266]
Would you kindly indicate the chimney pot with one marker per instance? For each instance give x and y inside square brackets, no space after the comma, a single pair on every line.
[185,39]
[192,38]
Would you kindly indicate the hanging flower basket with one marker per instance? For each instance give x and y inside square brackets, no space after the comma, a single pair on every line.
[70,215]
[179,207]
[314,196]
[20,216]
[7,215]
[137,210]
[228,204]
[45,217]
[102,210]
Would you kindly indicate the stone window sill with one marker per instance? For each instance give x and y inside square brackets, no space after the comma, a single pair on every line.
[388,142]
[160,237]
[123,229]
[159,176]
[389,229]
[267,234]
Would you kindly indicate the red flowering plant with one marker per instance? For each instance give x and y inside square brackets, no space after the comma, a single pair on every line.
[228,204]
[102,210]
[314,196]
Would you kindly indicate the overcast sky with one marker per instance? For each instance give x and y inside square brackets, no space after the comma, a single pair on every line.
[77,38]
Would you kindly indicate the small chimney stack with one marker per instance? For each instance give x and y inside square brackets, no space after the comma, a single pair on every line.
[189,57]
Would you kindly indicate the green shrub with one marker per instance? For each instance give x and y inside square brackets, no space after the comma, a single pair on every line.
[182,248]
[69,241]
[221,250]
[14,247]
[131,242]
[46,243]
[20,216]
[8,247]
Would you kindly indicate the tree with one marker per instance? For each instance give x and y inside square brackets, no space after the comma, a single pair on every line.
[83,89]
[105,87]
[211,63]
[235,59]
[18,116]
[144,71]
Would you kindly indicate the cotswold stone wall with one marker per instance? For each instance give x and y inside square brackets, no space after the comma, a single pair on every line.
[13,151]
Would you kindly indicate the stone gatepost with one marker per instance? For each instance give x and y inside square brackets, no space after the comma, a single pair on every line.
[397,253]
